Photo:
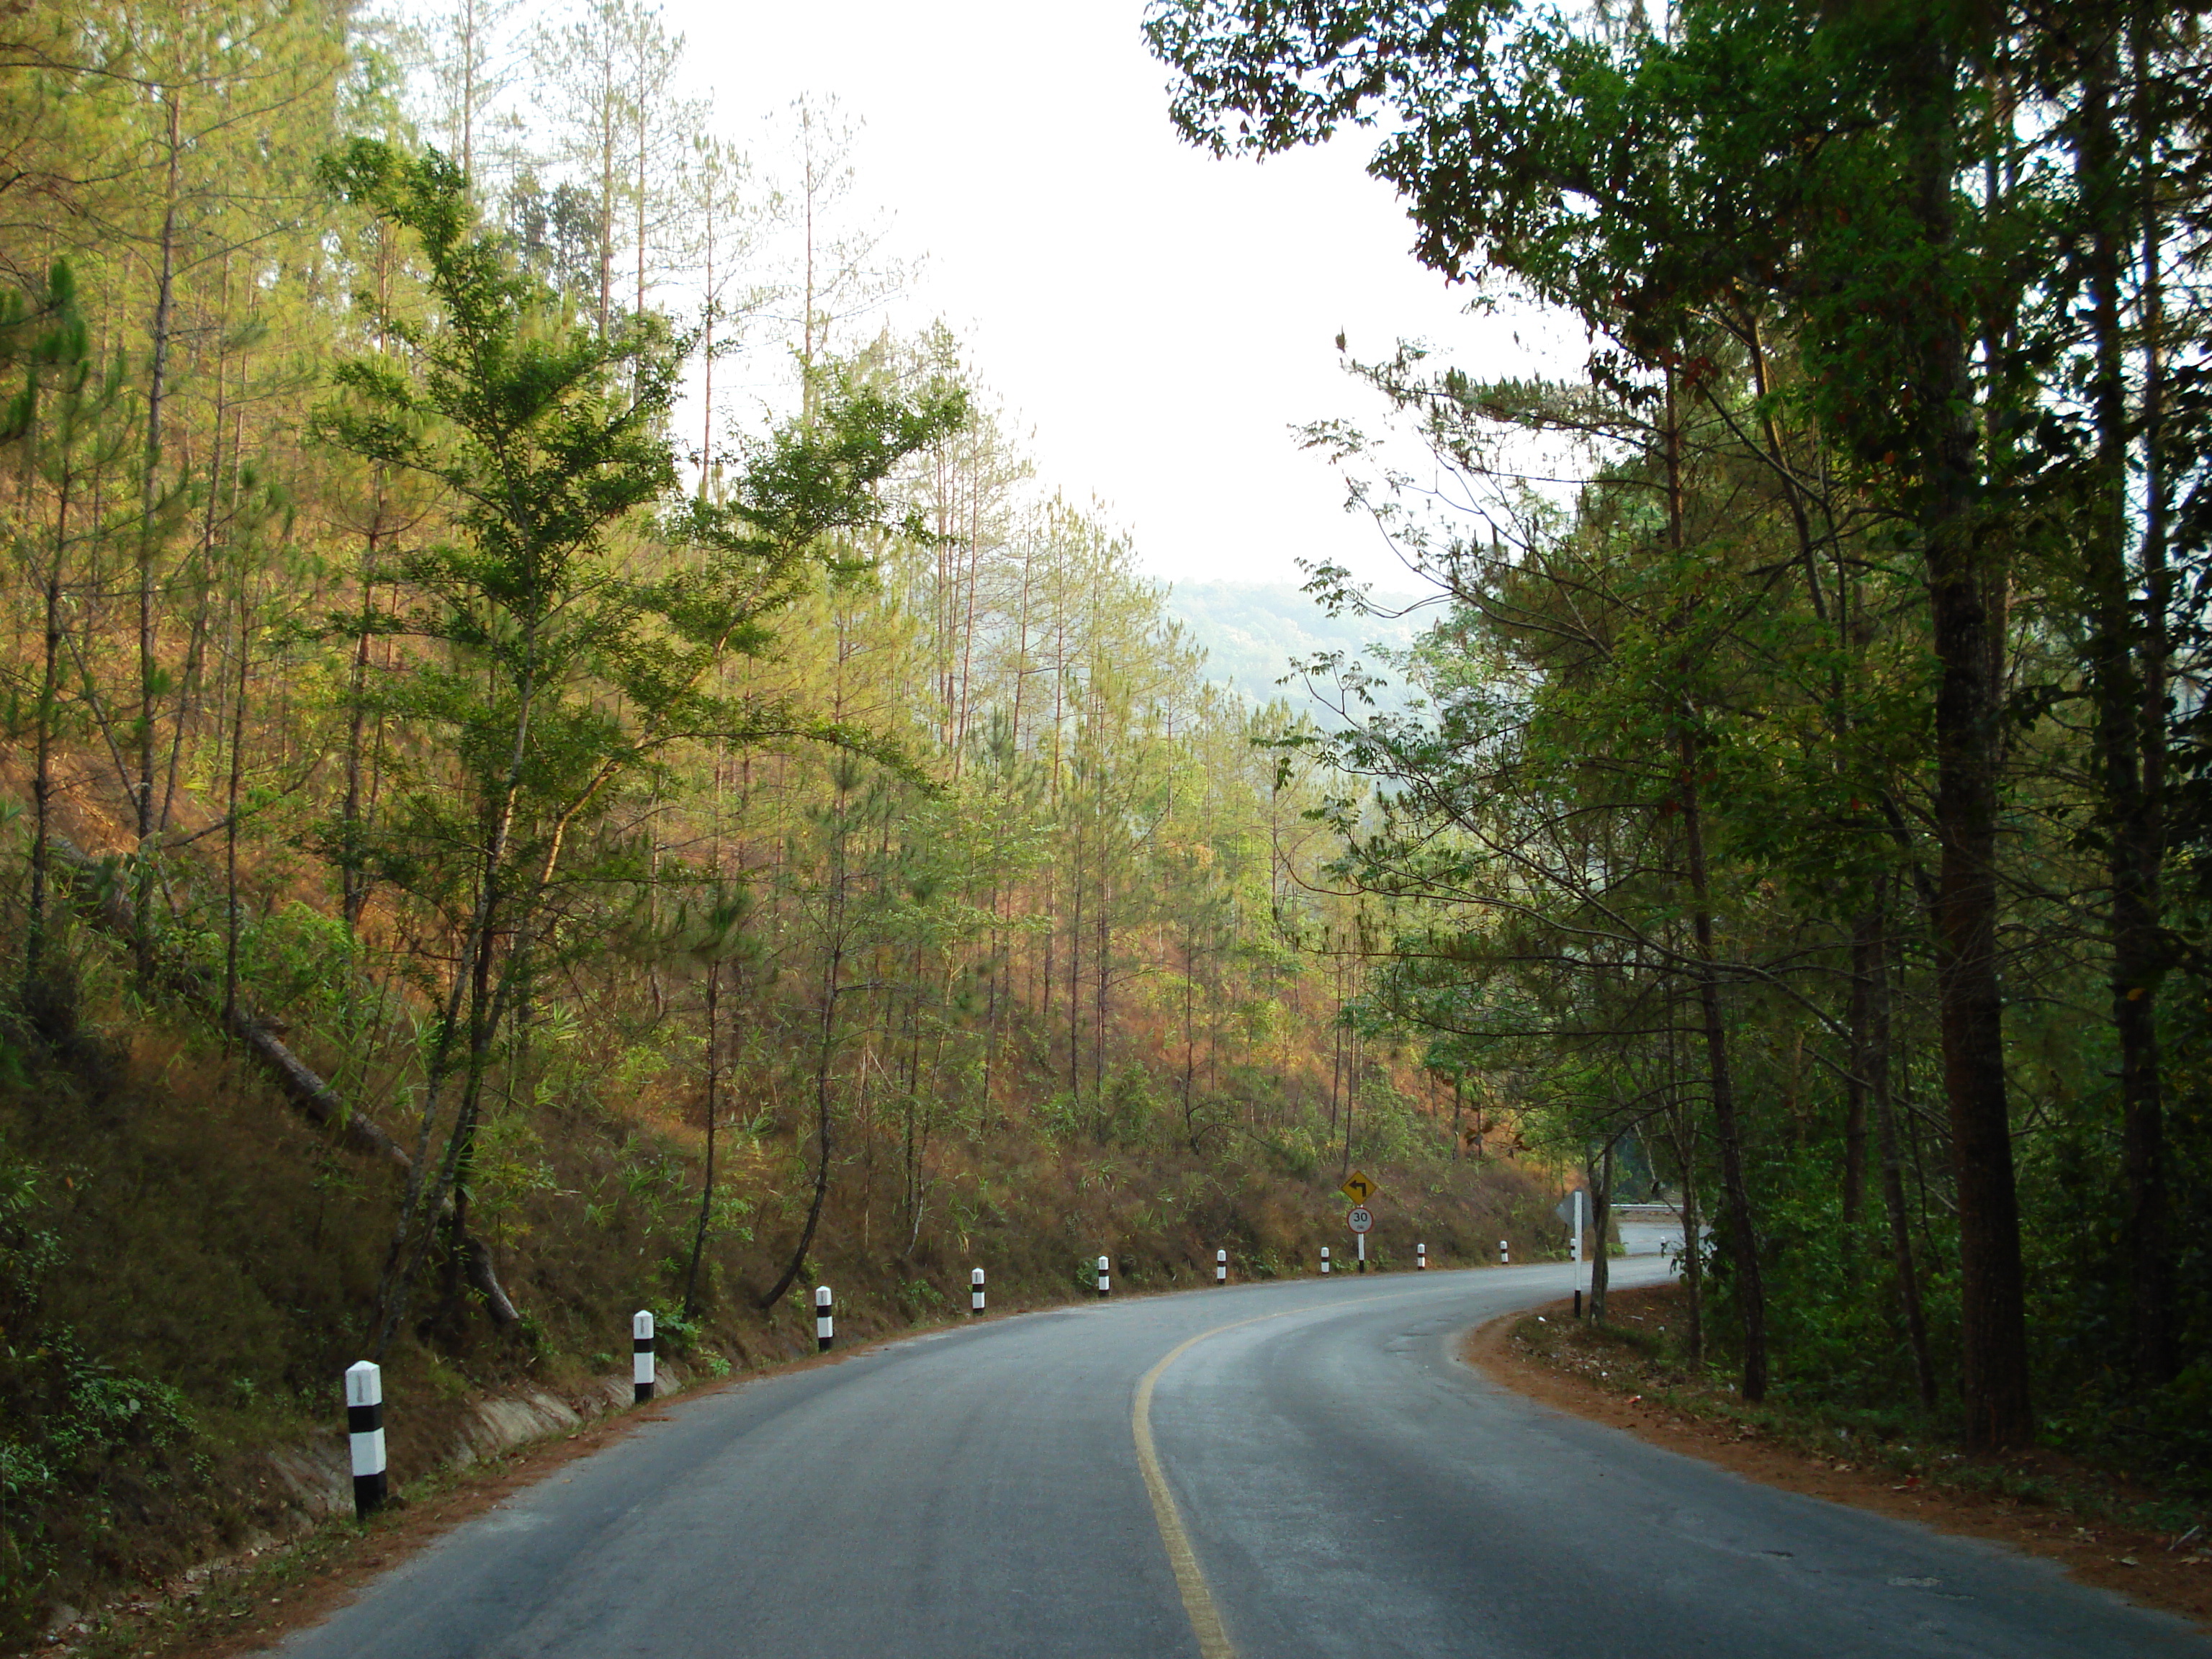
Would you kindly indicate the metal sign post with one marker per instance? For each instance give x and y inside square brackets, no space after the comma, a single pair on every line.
[1359,1221]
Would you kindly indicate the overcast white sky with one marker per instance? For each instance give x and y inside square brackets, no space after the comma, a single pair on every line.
[1160,318]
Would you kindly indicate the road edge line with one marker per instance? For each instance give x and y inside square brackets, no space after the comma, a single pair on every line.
[1197,1607]
[1204,1618]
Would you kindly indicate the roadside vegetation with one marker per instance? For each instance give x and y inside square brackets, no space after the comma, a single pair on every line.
[553,765]
[1808,813]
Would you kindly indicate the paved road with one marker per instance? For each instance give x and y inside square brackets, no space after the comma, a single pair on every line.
[1641,1237]
[1327,1479]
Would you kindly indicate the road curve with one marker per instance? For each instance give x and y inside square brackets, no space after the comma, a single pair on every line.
[1326,1478]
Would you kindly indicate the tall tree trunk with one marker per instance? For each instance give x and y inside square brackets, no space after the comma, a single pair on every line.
[1103,943]
[706,1178]
[485,1004]
[706,351]
[196,645]
[1854,1080]
[469,35]
[833,974]
[915,1139]
[353,877]
[1682,1127]
[1075,974]
[1743,1239]
[1750,1286]
[43,787]
[1189,1037]
[1350,1099]
[610,121]
[1875,1060]
[2132,835]
[825,1053]
[232,796]
[1963,575]
[471,986]
[2143,1145]
[1601,1224]
[150,497]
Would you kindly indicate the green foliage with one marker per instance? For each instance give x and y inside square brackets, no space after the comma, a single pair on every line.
[72,1423]
[1131,1115]
[1834,720]
[396,646]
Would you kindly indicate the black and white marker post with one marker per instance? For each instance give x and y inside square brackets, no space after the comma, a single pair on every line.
[1221,1267]
[641,1356]
[1105,1276]
[1420,1258]
[976,1293]
[1324,1260]
[825,1328]
[1501,1254]
[364,1385]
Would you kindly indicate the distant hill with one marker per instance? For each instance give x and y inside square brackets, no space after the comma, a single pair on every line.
[1252,630]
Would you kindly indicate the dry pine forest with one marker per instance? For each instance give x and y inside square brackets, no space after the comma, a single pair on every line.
[557,763]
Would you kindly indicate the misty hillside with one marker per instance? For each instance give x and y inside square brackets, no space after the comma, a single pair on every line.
[1252,632]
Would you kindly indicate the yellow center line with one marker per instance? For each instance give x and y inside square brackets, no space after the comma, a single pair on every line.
[1213,1641]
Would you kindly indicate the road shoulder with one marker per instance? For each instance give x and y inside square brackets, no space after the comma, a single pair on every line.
[1539,1353]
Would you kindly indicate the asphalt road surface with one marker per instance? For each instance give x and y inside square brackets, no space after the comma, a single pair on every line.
[1266,1470]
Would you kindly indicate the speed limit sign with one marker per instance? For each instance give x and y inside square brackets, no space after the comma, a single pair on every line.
[1359,1221]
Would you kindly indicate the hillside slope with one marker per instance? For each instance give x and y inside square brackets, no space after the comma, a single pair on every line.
[187,1263]
[1252,632]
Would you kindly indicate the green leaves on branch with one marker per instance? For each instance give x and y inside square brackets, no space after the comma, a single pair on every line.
[580,629]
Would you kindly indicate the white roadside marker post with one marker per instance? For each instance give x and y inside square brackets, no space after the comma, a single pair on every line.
[1105,1276]
[974,1292]
[1221,1267]
[1324,1260]
[1578,1252]
[1502,1261]
[1420,1258]
[825,1327]
[641,1356]
[364,1389]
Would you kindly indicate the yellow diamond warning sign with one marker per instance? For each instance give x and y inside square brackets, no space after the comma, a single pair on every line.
[1357,1188]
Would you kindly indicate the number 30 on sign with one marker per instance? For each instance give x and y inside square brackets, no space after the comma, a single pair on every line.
[1359,1220]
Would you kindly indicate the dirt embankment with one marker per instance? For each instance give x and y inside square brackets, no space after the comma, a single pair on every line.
[247,1605]
[2041,1501]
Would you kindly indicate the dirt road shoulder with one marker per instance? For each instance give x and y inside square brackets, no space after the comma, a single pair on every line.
[2042,1502]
